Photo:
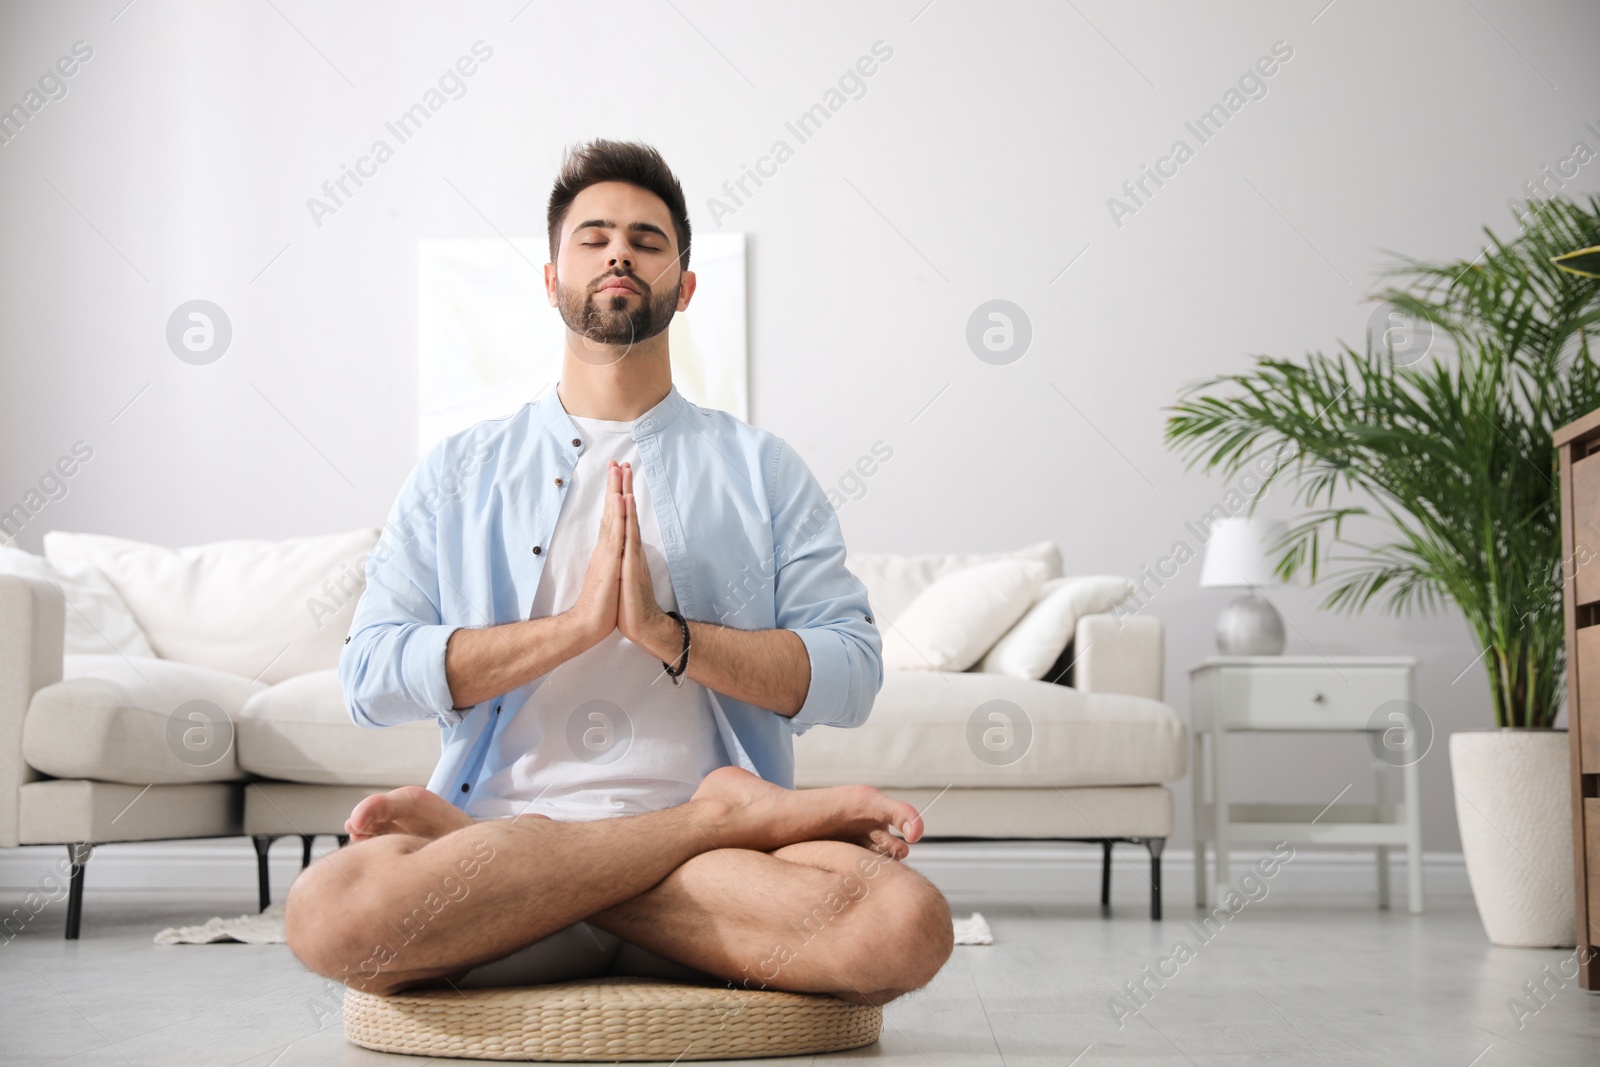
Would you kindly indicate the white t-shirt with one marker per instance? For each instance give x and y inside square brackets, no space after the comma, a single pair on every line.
[606,733]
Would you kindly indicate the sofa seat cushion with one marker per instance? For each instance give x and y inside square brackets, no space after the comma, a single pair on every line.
[137,720]
[938,728]
[300,731]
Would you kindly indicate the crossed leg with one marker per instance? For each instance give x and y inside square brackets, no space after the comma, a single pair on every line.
[812,917]
[799,890]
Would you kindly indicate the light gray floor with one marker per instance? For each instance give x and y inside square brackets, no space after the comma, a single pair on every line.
[1313,980]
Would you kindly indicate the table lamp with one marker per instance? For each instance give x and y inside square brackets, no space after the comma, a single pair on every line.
[1238,555]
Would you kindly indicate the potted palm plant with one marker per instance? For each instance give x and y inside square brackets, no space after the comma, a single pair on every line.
[1434,479]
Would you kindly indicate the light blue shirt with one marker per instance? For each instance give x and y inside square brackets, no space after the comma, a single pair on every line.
[750,539]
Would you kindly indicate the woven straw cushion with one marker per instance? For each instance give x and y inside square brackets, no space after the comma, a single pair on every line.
[608,1019]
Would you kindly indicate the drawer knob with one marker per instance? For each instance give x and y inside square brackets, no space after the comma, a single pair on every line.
[1319,699]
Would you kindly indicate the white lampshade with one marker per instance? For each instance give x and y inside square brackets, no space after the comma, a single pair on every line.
[1238,552]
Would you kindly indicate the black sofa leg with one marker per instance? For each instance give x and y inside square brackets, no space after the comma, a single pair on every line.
[1105,873]
[1155,845]
[263,843]
[344,839]
[305,851]
[78,854]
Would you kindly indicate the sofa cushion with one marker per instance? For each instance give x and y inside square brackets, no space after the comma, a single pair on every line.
[1031,647]
[952,623]
[893,582]
[300,731]
[266,610]
[97,621]
[137,720]
[935,729]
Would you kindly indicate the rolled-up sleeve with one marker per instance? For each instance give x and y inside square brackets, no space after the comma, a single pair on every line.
[821,601]
[392,666]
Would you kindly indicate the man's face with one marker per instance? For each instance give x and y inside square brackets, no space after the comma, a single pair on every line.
[617,275]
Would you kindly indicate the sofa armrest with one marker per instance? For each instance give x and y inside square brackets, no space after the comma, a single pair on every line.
[32,633]
[1119,654]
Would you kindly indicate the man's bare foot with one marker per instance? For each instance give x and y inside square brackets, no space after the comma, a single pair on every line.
[410,809]
[764,816]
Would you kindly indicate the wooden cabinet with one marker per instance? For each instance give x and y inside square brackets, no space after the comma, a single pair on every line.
[1579,445]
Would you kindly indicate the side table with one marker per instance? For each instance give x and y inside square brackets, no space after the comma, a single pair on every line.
[1299,695]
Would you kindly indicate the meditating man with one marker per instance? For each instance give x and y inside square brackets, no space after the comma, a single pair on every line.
[621,607]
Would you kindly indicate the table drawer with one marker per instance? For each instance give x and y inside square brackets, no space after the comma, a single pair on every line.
[1591,876]
[1585,682]
[1585,489]
[1311,698]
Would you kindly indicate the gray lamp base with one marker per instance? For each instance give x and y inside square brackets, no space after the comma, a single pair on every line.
[1250,627]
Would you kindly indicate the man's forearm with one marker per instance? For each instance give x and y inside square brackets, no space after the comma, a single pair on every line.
[485,662]
[768,668]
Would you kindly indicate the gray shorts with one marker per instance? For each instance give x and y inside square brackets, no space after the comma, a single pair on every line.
[579,951]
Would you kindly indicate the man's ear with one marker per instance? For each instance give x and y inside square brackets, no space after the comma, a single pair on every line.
[550,284]
[685,290]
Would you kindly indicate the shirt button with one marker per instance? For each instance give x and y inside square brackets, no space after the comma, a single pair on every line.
[559,482]
[537,550]
[464,787]
[347,640]
[869,618]
[577,443]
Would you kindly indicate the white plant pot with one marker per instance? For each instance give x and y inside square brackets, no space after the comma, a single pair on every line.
[1514,806]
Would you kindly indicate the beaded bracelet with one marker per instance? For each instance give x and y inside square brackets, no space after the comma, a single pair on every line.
[677,675]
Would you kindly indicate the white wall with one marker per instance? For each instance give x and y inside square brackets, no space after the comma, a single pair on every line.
[977,165]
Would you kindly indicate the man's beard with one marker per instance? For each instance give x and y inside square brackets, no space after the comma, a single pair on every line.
[599,318]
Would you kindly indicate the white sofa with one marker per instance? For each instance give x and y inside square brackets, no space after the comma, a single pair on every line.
[1103,745]
[136,680]
[106,736]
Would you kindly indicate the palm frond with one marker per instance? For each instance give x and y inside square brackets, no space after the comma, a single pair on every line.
[1452,456]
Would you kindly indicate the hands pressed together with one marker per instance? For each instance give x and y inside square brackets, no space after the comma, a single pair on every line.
[618,592]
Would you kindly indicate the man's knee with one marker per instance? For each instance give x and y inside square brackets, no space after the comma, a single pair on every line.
[316,920]
[327,917]
[917,935]
[902,934]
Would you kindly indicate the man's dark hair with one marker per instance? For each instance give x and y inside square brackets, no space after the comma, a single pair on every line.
[617,161]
